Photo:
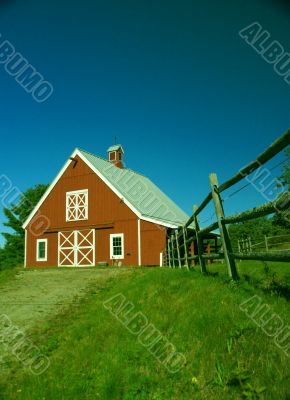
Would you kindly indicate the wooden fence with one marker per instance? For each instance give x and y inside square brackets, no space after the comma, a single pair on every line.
[180,252]
[266,243]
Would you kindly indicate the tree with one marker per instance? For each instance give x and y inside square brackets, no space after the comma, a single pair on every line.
[254,228]
[12,253]
[1,255]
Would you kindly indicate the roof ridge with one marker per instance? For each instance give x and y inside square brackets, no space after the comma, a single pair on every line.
[92,154]
[102,158]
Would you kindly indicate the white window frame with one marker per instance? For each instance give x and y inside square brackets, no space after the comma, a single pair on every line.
[38,241]
[112,236]
[86,206]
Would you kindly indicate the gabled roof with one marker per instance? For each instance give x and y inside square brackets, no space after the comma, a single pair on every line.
[140,191]
[137,191]
[115,147]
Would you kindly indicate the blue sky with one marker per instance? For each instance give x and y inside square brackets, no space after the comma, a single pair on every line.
[173,80]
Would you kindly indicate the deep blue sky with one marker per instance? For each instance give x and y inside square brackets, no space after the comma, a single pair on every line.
[171,79]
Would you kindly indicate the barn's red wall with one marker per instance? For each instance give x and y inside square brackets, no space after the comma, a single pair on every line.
[153,242]
[104,208]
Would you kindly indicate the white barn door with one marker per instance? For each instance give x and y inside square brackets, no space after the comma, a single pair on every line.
[76,248]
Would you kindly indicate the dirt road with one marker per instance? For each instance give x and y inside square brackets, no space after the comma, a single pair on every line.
[34,295]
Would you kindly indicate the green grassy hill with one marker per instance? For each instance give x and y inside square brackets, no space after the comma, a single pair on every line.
[93,355]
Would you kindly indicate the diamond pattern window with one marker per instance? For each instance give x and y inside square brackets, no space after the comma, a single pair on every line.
[77,205]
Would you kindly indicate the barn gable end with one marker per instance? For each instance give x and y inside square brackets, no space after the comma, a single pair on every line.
[107,214]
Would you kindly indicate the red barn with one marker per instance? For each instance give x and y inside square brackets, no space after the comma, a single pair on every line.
[97,211]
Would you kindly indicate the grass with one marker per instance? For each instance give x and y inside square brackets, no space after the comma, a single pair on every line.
[93,356]
[7,275]
[271,277]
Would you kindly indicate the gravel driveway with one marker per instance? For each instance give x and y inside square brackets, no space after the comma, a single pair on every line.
[36,294]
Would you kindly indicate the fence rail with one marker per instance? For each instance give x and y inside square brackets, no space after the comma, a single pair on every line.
[184,241]
[267,243]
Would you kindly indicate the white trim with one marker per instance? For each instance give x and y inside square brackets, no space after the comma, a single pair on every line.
[97,172]
[58,239]
[139,243]
[120,147]
[86,205]
[157,222]
[25,248]
[105,180]
[49,189]
[38,241]
[161,260]
[112,236]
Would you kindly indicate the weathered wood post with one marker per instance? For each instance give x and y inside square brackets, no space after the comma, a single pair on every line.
[226,242]
[168,252]
[185,247]
[177,247]
[266,243]
[247,245]
[172,250]
[192,252]
[208,252]
[199,241]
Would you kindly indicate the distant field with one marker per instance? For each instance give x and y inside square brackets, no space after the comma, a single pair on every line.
[94,356]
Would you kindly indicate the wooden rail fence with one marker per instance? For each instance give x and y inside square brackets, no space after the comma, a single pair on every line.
[182,243]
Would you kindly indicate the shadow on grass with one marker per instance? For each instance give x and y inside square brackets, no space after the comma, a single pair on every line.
[270,284]
[279,288]
[267,280]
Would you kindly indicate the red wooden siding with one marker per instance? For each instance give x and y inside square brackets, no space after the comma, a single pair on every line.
[153,242]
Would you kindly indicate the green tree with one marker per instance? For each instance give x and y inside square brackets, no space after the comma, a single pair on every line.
[254,229]
[12,253]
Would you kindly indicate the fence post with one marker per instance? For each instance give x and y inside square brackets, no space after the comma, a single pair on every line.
[250,243]
[185,247]
[266,243]
[177,247]
[227,246]
[172,250]
[192,252]
[168,252]
[199,242]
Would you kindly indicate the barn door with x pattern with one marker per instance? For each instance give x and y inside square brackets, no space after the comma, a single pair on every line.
[76,248]
[85,254]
